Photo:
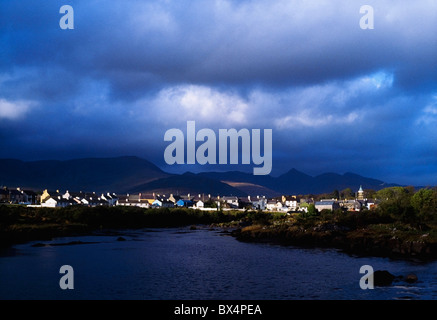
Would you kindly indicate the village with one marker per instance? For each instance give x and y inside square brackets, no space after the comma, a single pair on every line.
[289,203]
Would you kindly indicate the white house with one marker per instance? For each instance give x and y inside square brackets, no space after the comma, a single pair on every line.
[167,204]
[232,201]
[49,203]
[157,203]
[60,202]
[162,203]
[274,205]
[290,202]
[372,203]
[351,205]
[327,204]
[131,201]
[260,203]
[110,198]
[200,204]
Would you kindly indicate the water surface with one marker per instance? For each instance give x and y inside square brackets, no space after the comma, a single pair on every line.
[200,265]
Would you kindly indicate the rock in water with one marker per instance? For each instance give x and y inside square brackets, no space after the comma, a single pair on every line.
[39,244]
[121,239]
[382,278]
[411,278]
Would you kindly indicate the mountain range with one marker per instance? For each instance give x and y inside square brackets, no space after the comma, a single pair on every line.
[133,174]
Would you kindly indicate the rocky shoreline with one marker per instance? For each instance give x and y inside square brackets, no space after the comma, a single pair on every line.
[365,234]
[23,234]
[362,242]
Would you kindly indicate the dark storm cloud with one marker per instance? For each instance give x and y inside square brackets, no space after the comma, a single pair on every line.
[263,42]
[335,95]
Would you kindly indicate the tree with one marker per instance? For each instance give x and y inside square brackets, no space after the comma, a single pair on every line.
[312,211]
[396,203]
[393,193]
[424,202]
[369,193]
[335,194]
[347,194]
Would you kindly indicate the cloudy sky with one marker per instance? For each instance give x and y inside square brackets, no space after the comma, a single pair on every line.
[338,98]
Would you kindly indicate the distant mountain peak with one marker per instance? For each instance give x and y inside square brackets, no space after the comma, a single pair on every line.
[131,173]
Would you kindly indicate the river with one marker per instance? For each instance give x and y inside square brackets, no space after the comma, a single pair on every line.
[179,263]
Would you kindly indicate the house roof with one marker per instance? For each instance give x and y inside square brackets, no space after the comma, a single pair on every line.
[53,193]
[137,201]
[325,203]
[122,198]
[75,194]
[376,201]
[233,198]
[63,200]
[163,201]
[259,200]
[147,195]
[184,201]
[59,199]
[187,197]
[30,192]
[107,196]
[291,199]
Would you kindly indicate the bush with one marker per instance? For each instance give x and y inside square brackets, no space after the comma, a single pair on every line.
[259,217]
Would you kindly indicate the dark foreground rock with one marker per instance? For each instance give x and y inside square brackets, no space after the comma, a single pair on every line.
[71,243]
[411,278]
[25,233]
[363,242]
[382,278]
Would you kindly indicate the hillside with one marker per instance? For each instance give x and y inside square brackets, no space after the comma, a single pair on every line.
[296,182]
[93,174]
[188,183]
[133,174]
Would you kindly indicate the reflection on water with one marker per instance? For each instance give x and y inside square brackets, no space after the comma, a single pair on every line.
[197,264]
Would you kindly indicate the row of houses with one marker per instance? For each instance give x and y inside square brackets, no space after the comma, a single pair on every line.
[346,205]
[18,196]
[55,198]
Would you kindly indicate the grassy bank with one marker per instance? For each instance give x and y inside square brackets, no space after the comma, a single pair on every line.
[364,233]
[19,224]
